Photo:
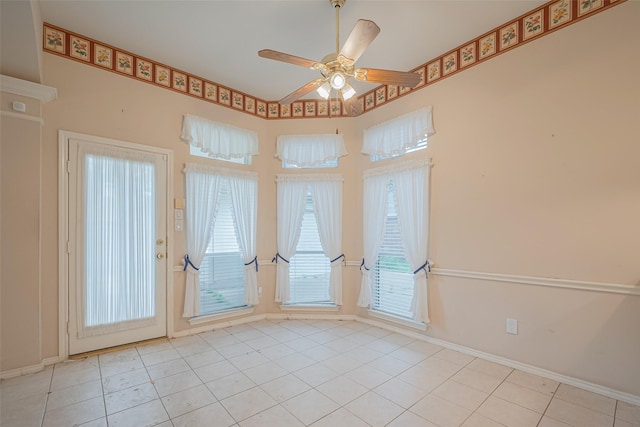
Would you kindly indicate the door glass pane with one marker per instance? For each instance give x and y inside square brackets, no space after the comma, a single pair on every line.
[120,233]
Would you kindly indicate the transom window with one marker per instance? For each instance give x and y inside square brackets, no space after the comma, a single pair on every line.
[331,163]
[422,144]
[197,151]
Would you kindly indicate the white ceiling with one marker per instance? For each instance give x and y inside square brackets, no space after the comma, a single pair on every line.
[219,40]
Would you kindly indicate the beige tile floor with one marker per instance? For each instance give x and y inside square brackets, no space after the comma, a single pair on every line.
[299,373]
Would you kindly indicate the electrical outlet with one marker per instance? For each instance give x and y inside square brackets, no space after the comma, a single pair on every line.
[512,326]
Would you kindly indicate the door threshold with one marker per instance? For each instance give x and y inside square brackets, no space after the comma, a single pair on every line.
[80,356]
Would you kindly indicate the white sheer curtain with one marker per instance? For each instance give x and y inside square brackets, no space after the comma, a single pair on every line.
[244,197]
[119,244]
[310,150]
[202,200]
[375,213]
[327,202]
[218,139]
[411,188]
[396,136]
[290,207]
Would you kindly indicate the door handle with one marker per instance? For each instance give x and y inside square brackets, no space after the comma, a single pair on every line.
[159,255]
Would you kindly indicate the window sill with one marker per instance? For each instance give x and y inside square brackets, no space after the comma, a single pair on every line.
[234,312]
[398,320]
[309,307]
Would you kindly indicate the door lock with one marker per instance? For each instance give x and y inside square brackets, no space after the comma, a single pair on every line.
[159,255]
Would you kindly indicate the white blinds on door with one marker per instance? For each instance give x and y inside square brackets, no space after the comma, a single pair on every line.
[119,245]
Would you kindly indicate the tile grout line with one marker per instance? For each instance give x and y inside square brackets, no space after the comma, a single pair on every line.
[549,404]
[104,397]
[342,335]
[49,391]
[489,394]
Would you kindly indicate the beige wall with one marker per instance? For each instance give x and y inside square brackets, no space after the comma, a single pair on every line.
[20,233]
[535,174]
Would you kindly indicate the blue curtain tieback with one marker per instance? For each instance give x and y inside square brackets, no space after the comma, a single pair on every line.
[426,267]
[252,261]
[337,258]
[187,263]
[275,258]
[362,265]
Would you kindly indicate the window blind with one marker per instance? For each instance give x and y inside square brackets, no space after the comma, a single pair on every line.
[222,269]
[309,268]
[393,288]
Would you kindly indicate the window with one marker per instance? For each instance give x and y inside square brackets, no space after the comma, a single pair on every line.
[222,281]
[197,151]
[421,145]
[221,218]
[310,151]
[219,141]
[309,267]
[331,163]
[396,232]
[393,277]
[309,238]
[399,136]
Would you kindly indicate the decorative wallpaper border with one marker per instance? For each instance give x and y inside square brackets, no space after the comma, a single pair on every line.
[534,24]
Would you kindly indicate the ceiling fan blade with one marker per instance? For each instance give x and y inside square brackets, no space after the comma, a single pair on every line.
[389,77]
[352,105]
[363,33]
[302,91]
[285,57]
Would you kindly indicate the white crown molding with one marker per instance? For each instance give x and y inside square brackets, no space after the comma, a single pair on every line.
[615,288]
[28,89]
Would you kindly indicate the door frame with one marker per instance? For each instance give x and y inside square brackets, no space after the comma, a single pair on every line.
[63,230]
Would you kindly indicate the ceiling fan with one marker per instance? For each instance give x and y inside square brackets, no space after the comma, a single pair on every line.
[338,67]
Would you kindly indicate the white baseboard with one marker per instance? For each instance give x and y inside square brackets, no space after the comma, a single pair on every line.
[32,369]
[585,385]
[218,325]
[309,316]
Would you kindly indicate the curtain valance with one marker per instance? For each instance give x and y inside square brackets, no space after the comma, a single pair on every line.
[218,139]
[396,136]
[310,150]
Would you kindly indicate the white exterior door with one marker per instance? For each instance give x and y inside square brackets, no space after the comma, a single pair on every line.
[117,250]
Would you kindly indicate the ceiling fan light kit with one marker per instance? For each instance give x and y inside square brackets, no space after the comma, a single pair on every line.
[338,67]
[337,80]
